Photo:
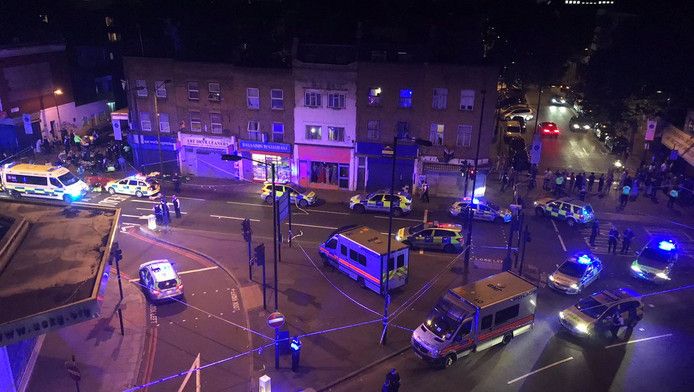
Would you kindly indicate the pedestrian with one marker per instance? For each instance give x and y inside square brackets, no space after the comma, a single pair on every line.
[425,192]
[609,181]
[559,184]
[627,236]
[582,193]
[594,232]
[591,181]
[579,181]
[176,206]
[612,238]
[392,383]
[601,183]
[158,214]
[617,323]
[672,197]
[624,197]
[166,214]
[571,183]
[547,179]
[504,182]
[177,183]
[634,190]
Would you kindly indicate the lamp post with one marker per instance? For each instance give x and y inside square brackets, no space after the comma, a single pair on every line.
[386,295]
[235,158]
[57,92]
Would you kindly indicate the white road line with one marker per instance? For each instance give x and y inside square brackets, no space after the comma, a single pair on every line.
[556,230]
[150,202]
[134,216]
[540,369]
[638,340]
[402,219]
[249,204]
[150,210]
[328,212]
[233,217]
[314,226]
[183,272]
[190,198]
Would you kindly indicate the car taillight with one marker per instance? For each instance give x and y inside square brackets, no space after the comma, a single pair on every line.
[556,131]
[155,292]
[179,286]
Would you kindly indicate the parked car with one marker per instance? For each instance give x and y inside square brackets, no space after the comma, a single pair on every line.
[518,154]
[526,113]
[159,280]
[616,144]
[575,273]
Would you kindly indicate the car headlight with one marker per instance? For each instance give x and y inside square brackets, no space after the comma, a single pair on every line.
[574,286]
[586,127]
[582,328]
[635,267]
[551,277]
[662,275]
[561,315]
[576,126]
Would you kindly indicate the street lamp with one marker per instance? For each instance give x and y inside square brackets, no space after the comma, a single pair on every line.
[57,92]
[386,295]
[235,158]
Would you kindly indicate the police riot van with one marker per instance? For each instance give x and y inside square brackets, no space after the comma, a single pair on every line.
[475,317]
[47,181]
[360,252]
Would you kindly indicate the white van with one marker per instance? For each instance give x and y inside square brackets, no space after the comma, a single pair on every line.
[360,252]
[46,181]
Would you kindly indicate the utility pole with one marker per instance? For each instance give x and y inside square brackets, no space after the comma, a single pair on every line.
[386,293]
[275,232]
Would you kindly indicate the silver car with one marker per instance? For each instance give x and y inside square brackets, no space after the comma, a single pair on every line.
[575,273]
[159,280]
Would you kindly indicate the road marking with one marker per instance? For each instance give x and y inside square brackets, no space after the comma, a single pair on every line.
[150,210]
[402,219]
[233,217]
[638,340]
[249,204]
[314,226]
[183,272]
[540,369]
[190,198]
[556,230]
[328,212]
[134,216]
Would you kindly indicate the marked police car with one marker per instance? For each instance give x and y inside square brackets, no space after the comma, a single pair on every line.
[655,261]
[570,210]
[592,316]
[447,237]
[297,194]
[379,201]
[482,210]
[138,185]
[159,280]
[575,273]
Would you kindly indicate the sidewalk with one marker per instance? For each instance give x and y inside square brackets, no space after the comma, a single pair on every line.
[108,361]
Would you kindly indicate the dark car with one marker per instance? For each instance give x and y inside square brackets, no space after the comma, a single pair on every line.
[581,123]
[518,154]
[602,130]
[616,144]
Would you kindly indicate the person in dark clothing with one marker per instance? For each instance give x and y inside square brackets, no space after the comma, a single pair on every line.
[176,206]
[166,214]
[591,181]
[594,232]
[579,180]
[158,214]
[392,383]
[627,236]
[612,238]
[504,182]
[617,323]
[177,183]
[582,193]
[601,183]
[425,192]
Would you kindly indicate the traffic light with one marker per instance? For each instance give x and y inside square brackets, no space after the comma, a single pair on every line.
[259,255]
[118,254]
[246,229]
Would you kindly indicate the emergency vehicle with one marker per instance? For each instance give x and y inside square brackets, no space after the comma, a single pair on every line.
[46,181]
[379,201]
[572,211]
[574,274]
[138,185]
[297,194]
[361,253]
[159,280]
[592,316]
[475,317]
[482,210]
[655,261]
[447,237]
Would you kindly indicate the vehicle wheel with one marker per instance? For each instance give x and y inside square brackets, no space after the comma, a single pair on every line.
[539,211]
[138,194]
[359,209]
[361,282]
[507,339]
[111,191]
[397,212]
[449,248]
[67,199]
[570,222]
[15,194]
[268,199]
[449,361]
[303,203]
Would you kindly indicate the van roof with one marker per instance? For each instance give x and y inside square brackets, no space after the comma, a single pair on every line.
[372,240]
[31,168]
[493,289]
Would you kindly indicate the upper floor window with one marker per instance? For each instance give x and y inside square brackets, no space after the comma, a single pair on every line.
[216,122]
[141,87]
[277,132]
[464,135]
[405,98]
[277,99]
[164,122]
[160,88]
[193,91]
[375,96]
[336,134]
[373,128]
[195,121]
[214,92]
[145,121]
[436,134]
[113,36]
[312,99]
[254,131]
[109,21]
[336,101]
[439,98]
[313,132]
[403,129]
[467,100]
[253,98]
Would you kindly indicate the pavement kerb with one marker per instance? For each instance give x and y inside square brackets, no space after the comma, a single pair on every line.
[362,369]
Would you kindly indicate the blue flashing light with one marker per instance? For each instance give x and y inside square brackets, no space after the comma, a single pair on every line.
[584,259]
[475,201]
[666,245]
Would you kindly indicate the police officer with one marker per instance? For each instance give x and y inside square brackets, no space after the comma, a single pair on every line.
[617,322]
[392,383]
[158,214]
[627,236]
[594,232]
[176,205]
[613,235]
[177,183]
[673,195]
[166,214]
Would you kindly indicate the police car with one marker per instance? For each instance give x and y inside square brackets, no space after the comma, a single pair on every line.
[137,185]
[159,280]
[572,211]
[575,273]
[433,235]
[655,261]
[297,194]
[482,210]
[379,201]
[592,316]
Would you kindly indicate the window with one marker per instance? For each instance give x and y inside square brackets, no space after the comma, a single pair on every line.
[254,131]
[400,262]
[336,134]
[403,129]
[566,207]
[109,21]
[436,134]
[277,99]
[216,122]
[195,121]
[193,91]
[160,88]
[164,122]
[405,98]
[486,322]
[464,330]
[467,100]
[358,257]
[332,244]
[507,314]
[373,128]
[313,132]
[312,99]
[375,96]
[145,121]
[253,98]
[278,132]
[34,180]
[443,233]
[343,250]
[440,97]
[464,135]
[141,87]
[56,183]
[336,101]
[214,92]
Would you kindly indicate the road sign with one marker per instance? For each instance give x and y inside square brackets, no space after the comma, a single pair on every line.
[275,320]
[650,129]
[72,370]
[536,151]
[283,207]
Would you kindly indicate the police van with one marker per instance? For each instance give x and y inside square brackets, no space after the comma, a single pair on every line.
[46,181]
[475,317]
[361,253]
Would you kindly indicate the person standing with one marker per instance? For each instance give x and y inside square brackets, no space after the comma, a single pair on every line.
[425,192]
[627,236]
[591,181]
[672,197]
[601,183]
[608,182]
[612,237]
[176,206]
[579,181]
[546,182]
[617,323]
[504,181]
[571,183]
[166,214]
[582,193]
[392,383]
[624,197]
[559,183]
[594,232]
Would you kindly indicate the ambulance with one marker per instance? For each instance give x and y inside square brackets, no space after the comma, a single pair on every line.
[46,181]
[475,317]
[361,252]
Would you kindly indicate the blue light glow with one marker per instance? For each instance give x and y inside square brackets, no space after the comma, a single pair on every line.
[475,201]
[666,245]
[584,259]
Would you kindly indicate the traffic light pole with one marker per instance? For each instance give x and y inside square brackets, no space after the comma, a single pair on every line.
[117,255]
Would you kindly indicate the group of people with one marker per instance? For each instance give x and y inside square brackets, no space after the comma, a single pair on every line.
[612,238]
[162,212]
[567,183]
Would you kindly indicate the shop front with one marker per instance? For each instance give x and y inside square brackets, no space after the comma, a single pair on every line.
[278,153]
[378,161]
[201,155]
[146,152]
[325,167]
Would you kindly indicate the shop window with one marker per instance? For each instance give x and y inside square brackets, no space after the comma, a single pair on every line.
[254,131]
[405,98]
[403,129]
[439,98]
[193,91]
[464,135]
[141,88]
[164,122]
[336,134]
[261,172]
[373,128]
[312,99]
[160,88]
[195,121]
[277,99]
[467,100]
[278,132]
[375,96]
[216,122]
[324,173]
[145,121]
[253,98]
[313,132]
[214,92]
[336,101]
[436,134]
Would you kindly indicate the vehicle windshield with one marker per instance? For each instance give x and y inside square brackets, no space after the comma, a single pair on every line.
[654,258]
[444,319]
[572,269]
[588,208]
[415,229]
[68,179]
[167,284]
[591,307]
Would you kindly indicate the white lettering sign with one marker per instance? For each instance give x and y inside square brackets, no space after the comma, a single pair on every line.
[204,141]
